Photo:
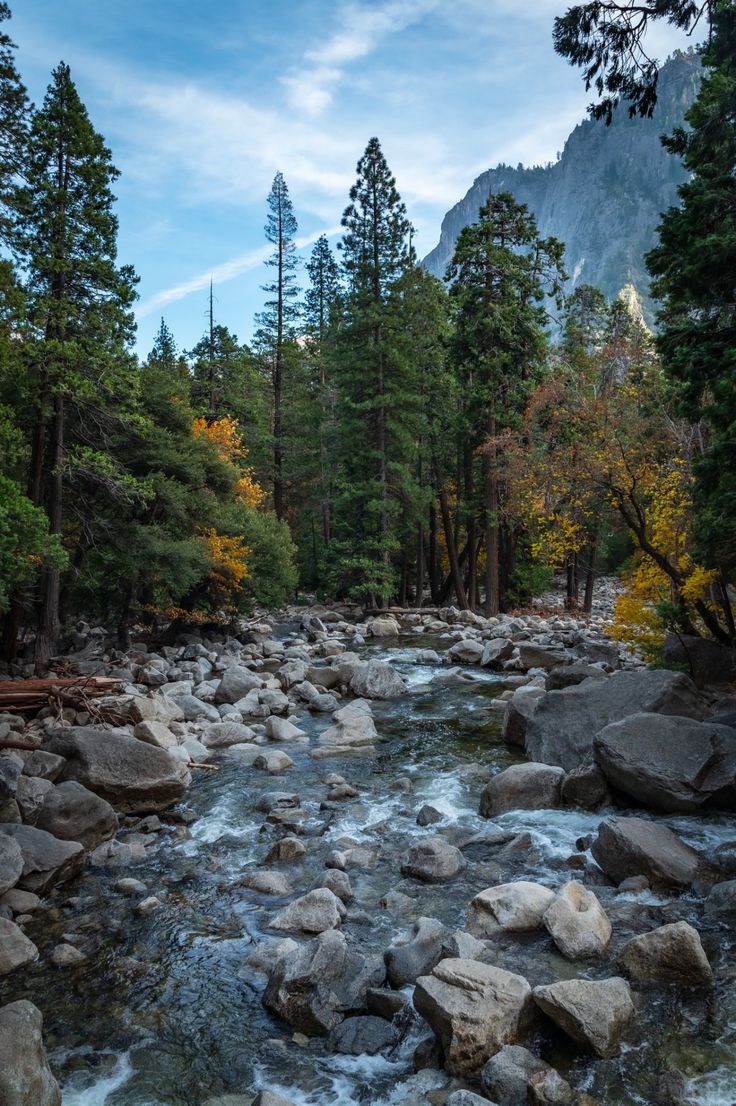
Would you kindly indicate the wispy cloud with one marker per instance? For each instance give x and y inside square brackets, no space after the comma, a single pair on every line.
[225,271]
[310,87]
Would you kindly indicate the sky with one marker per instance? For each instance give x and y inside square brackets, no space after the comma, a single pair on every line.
[202,103]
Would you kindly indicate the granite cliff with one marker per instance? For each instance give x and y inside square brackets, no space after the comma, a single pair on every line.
[603,197]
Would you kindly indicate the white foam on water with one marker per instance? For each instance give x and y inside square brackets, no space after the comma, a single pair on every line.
[715,1088]
[99,1093]
[553,832]
[345,1073]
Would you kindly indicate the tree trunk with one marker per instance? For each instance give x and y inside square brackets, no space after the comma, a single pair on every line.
[457,579]
[590,572]
[419,592]
[492,604]
[571,582]
[434,581]
[49,625]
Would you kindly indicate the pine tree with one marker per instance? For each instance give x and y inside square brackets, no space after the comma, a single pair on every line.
[277,322]
[14,113]
[499,276]
[376,383]
[322,305]
[79,300]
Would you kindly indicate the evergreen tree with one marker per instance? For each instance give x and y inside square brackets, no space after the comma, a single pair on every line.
[277,322]
[322,305]
[499,276]
[14,112]
[79,302]
[376,384]
[693,268]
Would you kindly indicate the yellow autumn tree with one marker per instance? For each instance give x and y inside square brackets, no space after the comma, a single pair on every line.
[225,436]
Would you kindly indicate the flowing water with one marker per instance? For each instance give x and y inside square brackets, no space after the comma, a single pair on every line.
[166,1011]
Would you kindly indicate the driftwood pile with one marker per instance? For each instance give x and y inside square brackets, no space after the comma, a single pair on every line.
[57,692]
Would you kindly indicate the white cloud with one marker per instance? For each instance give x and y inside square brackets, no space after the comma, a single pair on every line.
[311,86]
[226,270]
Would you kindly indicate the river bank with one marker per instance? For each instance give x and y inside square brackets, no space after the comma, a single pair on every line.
[378,811]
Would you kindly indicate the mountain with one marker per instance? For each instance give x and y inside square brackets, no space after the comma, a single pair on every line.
[604,196]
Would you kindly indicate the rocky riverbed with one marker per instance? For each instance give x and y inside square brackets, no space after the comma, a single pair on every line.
[436,858]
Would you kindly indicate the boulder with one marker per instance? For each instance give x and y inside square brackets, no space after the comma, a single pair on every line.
[532,655]
[495,651]
[285,851]
[721,901]
[634,847]
[133,776]
[273,761]
[475,1009]
[145,708]
[669,763]
[314,986]
[196,710]
[220,735]
[281,730]
[548,1088]
[506,1076]
[384,627]
[314,912]
[671,954]
[41,764]
[73,813]
[353,726]
[25,1075]
[433,861]
[376,680]
[586,788]
[365,1035]
[10,772]
[385,1003]
[46,859]
[20,902]
[521,708]
[564,723]
[522,787]
[11,863]
[155,733]
[235,684]
[32,790]
[267,883]
[465,651]
[15,949]
[465,1098]
[511,907]
[707,661]
[415,953]
[567,675]
[428,815]
[577,923]
[595,1013]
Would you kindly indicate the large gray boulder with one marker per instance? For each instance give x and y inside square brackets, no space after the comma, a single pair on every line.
[522,787]
[46,859]
[505,1078]
[415,953]
[671,954]
[364,1035]
[220,735]
[133,776]
[577,923]
[316,984]
[73,813]
[474,1009]
[532,655]
[495,651]
[15,948]
[235,684]
[25,1075]
[377,680]
[595,1013]
[708,662]
[636,847]
[465,651]
[670,763]
[11,863]
[721,902]
[314,912]
[564,723]
[433,860]
[517,907]
[521,708]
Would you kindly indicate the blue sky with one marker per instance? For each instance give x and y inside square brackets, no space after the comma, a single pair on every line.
[201,104]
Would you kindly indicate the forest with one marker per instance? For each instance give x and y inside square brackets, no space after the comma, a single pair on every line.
[386,437]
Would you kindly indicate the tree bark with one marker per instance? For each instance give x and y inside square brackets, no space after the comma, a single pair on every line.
[49,624]
[492,604]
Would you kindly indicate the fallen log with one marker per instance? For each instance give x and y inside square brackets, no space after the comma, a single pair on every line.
[31,745]
[54,691]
